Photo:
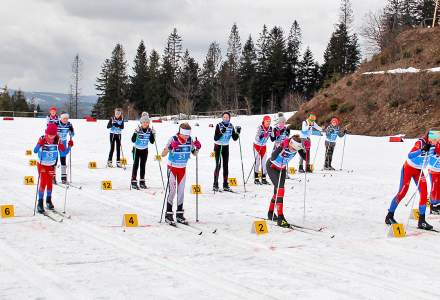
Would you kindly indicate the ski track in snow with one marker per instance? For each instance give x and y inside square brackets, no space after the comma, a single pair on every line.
[90,256]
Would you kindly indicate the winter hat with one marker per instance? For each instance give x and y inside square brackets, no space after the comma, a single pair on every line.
[53,108]
[144,119]
[64,116]
[281,118]
[52,129]
[145,114]
[312,116]
[334,119]
[267,118]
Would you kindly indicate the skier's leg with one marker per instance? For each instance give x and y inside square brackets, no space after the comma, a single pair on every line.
[172,192]
[405,179]
[257,161]
[263,155]
[331,149]
[118,147]
[51,174]
[181,178]
[143,162]
[225,157]
[217,149]
[423,191]
[435,193]
[63,169]
[112,147]
[327,155]
[135,165]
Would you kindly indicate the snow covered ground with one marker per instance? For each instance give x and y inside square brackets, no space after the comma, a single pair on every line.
[90,256]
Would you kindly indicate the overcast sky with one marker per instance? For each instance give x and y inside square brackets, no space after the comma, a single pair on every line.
[39,38]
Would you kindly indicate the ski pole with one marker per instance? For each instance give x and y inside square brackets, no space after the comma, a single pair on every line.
[343,152]
[65,197]
[36,193]
[158,161]
[167,188]
[417,187]
[70,164]
[317,148]
[305,193]
[242,168]
[122,151]
[253,166]
[197,185]
[278,188]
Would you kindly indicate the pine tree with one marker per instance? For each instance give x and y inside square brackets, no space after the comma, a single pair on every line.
[293,57]
[408,10]
[309,72]
[260,104]
[247,74]
[276,68]
[171,59]
[154,89]
[424,12]
[5,100]
[19,102]
[231,67]
[139,79]
[209,88]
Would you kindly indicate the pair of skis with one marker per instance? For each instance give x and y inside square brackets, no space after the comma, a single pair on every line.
[55,215]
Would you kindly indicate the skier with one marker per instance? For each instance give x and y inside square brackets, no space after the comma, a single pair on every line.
[434,172]
[308,128]
[413,169]
[65,128]
[277,170]
[47,148]
[223,133]
[178,149]
[280,132]
[52,117]
[331,133]
[115,124]
[264,130]
[141,137]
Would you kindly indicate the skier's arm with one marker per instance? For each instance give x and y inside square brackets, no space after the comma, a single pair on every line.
[340,132]
[110,123]
[152,137]
[235,134]
[218,134]
[122,124]
[71,131]
[167,148]
[39,144]
[273,136]
[416,150]
[134,137]
[317,127]
[276,152]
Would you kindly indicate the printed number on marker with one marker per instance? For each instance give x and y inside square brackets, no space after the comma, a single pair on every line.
[106,185]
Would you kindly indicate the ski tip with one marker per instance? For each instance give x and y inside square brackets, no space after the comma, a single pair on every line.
[215,231]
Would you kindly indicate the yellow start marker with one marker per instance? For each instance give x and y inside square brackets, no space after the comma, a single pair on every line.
[130,220]
[292,171]
[196,189]
[415,214]
[106,185]
[397,230]
[28,152]
[158,157]
[7,211]
[232,181]
[123,161]
[32,162]
[92,165]
[29,180]
[212,155]
[259,227]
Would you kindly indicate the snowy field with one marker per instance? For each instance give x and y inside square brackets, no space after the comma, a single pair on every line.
[90,256]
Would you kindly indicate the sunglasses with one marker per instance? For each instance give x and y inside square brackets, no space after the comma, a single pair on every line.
[434,135]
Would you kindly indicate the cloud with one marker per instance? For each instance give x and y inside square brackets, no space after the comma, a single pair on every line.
[39,38]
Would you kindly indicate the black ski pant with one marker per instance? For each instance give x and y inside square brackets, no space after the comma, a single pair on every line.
[301,160]
[115,139]
[140,158]
[221,155]
[329,149]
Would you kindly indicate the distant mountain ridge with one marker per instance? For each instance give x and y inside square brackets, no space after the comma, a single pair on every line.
[60,100]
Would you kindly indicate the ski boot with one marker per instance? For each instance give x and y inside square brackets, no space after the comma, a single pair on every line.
[256,178]
[435,209]
[389,219]
[179,216]
[40,206]
[118,164]
[54,180]
[331,168]
[49,204]
[142,184]
[263,180]
[309,169]
[169,219]
[215,187]
[227,188]
[134,185]
[301,169]
[272,216]
[64,179]
[282,222]
[423,224]
[110,164]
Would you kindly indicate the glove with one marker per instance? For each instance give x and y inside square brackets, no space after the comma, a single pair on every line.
[174,145]
[426,147]
[197,145]
[277,133]
[238,129]
[287,131]
[41,142]
[223,130]
[70,143]
[286,143]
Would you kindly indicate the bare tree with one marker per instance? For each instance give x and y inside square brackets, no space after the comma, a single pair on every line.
[373,32]
[76,91]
